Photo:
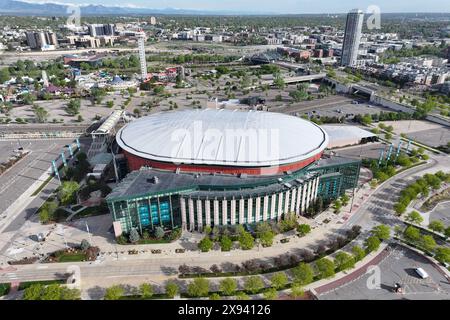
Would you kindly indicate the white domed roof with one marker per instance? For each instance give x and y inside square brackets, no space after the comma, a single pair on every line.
[223,137]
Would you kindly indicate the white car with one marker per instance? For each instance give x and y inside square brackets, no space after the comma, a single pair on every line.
[422,273]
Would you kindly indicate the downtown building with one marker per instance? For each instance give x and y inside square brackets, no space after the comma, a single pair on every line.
[191,169]
[352,37]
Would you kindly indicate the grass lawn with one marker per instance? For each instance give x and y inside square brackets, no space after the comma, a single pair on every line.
[74,257]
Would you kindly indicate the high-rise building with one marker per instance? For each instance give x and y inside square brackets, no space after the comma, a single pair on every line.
[143,62]
[41,39]
[96,30]
[352,37]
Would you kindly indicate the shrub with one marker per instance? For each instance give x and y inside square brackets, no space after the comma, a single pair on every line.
[270,294]
[85,245]
[303,274]
[146,290]
[325,268]
[199,287]
[225,243]
[228,286]
[372,244]
[246,241]
[114,293]
[303,229]
[205,244]
[279,280]
[171,289]
[358,253]
[344,261]
[159,233]
[297,291]
[253,284]
[134,236]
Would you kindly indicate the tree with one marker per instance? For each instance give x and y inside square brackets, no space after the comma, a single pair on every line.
[41,114]
[85,245]
[47,211]
[303,229]
[134,235]
[278,82]
[228,286]
[414,217]
[372,244]
[73,107]
[270,294]
[171,289]
[428,242]
[114,293]
[411,233]
[253,284]
[241,295]
[279,280]
[437,226]
[246,241]
[325,268]
[225,243]
[266,238]
[382,232]
[146,290]
[344,261]
[198,288]
[345,199]
[297,291]
[447,232]
[337,206]
[110,104]
[67,192]
[399,208]
[303,274]
[205,244]
[443,254]
[159,233]
[358,253]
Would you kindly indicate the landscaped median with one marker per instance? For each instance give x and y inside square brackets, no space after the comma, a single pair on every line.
[304,273]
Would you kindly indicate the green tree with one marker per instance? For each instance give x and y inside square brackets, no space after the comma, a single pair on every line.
[46,212]
[270,294]
[67,192]
[414,217]
[171,289]
[73,107]
[337,206]
[278,82]
[325,268]
[345,199]
[399,208]
[303,229]
[428,242]
[225,243]
[228,286]
[246,241]
[146,290]
[279,280]
[358,253]
[372,244]
[303,274]
[110,104]
[447,232]
[382,232]
[443,254]
[199,287]
[297,291]
[114,293]
[41,114]
[205,244]
[412,234]
[51,292]
[253,284]
[344,261]
[437,226]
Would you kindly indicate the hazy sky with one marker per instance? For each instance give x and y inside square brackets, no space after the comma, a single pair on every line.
[278,6]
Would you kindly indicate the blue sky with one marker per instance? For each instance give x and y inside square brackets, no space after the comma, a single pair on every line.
[279,6]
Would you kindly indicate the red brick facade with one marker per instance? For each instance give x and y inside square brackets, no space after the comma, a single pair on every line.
[136,162]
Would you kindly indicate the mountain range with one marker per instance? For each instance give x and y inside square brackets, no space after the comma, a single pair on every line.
[23,8]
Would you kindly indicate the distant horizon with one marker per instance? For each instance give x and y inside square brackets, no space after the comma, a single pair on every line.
[269,7]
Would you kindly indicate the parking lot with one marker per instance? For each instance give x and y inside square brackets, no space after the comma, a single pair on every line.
[397,267]
[370,150]
[428,133]
[441,213]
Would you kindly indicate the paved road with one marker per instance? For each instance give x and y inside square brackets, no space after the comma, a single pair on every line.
[397,267]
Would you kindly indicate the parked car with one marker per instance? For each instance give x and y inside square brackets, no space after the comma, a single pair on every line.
[422,273]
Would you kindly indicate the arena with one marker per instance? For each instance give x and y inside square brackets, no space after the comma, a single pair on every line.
[190,169]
